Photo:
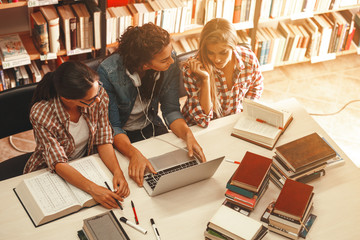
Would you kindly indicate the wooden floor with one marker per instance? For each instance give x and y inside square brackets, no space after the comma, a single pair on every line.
[321,87]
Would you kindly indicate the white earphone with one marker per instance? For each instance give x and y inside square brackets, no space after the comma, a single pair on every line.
[135,78]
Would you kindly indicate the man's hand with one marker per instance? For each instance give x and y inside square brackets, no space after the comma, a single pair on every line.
[137,166]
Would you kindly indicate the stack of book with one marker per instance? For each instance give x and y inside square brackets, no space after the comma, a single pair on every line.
[249,182]
[303,160]
[291,214]
[229,224]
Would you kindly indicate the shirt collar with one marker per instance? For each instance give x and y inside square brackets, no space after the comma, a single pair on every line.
[61,112]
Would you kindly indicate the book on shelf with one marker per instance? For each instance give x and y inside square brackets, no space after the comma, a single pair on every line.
[294,199]
[47,197]
[326,29]
[158,12]
[228,9]
[83,28]
[53,22]
[234,225]
[104,226]
[12,48]
[349,16]
[302,153]
[95,18]
[251,172]
[261,124]
[115,14]
[39,30]
[135,14]
[36,75]
[68,26]
[290,36]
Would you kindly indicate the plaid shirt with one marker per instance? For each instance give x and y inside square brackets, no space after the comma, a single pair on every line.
[54,142]
[247,82]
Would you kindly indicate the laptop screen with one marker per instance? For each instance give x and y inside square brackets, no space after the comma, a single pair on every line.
[170,159]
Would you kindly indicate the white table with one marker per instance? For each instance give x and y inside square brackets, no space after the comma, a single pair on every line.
[185,212]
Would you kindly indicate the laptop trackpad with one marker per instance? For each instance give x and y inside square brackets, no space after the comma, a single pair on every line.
[170,159]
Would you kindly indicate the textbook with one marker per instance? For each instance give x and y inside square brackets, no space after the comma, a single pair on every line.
[251,172]
[234,225]
[261,124]
[305,152]
[293,199]
[47,197]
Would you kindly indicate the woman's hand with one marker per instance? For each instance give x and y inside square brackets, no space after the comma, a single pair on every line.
[197,68]
[104,196]
[120,185]
[137,166]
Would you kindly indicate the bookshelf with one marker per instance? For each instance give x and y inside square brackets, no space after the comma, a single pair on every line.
[258,16]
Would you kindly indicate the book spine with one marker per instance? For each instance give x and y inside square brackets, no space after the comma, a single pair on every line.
[239,190]
[73,40]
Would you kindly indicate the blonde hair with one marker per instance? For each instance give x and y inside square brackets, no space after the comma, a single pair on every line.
[217,30]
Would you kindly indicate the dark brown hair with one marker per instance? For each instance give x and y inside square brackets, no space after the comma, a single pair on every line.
[70,80]
[138,45]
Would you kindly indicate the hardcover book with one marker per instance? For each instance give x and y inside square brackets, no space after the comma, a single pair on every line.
[52,19]
[251,172]
[83,27]
[261,124]
[68,25]
[293,199]
[47,197]
[235,225]
[40,32]
[305,152]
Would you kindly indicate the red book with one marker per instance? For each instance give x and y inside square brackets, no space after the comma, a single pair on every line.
[116,3]
[251,172]
[237,11]
[249,202]
[293,199]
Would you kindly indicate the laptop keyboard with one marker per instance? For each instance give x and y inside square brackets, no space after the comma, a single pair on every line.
[152,179]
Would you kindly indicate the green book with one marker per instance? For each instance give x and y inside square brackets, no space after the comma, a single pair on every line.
[239,190]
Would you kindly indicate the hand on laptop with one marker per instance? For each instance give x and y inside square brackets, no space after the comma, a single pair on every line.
[194,148]
[137,166]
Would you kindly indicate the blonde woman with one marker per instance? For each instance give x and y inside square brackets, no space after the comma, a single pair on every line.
[220,75]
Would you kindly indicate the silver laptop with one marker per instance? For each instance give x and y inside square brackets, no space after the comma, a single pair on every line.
[175,169]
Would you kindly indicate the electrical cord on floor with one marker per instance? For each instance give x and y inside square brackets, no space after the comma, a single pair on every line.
[16,148]
[329,114]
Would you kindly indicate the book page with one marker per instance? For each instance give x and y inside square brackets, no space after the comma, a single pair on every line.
[90,169]
[263,112]
[51,192]
[246,124]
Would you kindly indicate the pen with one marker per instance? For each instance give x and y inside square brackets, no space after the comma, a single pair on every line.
[133,207]
[232,161]
[133,225]
[261,121]
[156,231]
[117,201]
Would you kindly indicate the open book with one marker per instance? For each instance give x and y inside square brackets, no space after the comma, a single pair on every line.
[261,124]
[47,196]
